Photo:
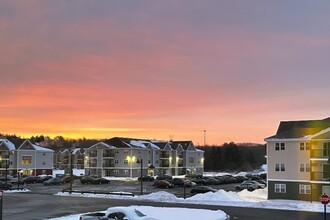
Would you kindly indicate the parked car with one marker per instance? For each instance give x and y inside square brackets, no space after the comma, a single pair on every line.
[29,179]
[147,178]
[119,213]
[41,179]
[177,182]
[188,183]
[67,179]
[163,184]
[164,177]
[5,185]
[52,181]
[100,180]
[15,180]
[88,179]
[202,189]
[212,181]
[250,186]
[260,185]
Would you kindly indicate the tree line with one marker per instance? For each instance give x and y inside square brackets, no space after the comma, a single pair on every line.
[234,157]
[227,157]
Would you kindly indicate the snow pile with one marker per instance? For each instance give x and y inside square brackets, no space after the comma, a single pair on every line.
[159,196]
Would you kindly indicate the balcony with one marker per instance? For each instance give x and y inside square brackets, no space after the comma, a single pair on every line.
[319,176]
[165,155]
[108,154]
[319,153]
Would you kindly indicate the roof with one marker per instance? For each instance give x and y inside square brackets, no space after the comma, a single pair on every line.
[300,129]
[34,146]
[9,144]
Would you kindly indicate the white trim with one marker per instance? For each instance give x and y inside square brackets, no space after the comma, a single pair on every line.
[306,138]
[319,159]
[321,182]
[321,132]
[285,180]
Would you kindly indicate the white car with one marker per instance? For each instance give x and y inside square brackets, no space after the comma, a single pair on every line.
[126,213]
[117,213]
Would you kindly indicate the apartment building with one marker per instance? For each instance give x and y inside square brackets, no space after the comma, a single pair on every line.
[62,159]
[26,158]
[123,156]
[298,160]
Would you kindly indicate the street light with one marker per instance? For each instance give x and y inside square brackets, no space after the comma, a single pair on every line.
[71,169]
[140,161]
[87,168]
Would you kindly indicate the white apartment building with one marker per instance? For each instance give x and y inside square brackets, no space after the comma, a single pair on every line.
[298,160]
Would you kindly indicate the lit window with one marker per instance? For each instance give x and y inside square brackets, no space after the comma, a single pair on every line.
[26,160]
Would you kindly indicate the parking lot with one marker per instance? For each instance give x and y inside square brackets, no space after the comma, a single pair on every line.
[119,186]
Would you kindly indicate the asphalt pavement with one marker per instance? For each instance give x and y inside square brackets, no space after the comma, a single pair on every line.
[41,203]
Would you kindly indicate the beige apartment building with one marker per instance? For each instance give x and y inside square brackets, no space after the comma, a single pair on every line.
[122,157]
[298,160]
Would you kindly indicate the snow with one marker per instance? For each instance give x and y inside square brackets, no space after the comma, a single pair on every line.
[255,199]
[162,213]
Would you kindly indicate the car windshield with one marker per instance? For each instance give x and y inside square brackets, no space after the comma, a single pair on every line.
[138,213]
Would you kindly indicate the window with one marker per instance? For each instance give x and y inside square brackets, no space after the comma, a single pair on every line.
[115,171]
[305,167]
[279,167]
[305,189]
[302,167]
[277,146]
[302,146]
[26,160]
[125,161]
[308,169]
[125,151]
[125,172]
[191,160]
[280,188]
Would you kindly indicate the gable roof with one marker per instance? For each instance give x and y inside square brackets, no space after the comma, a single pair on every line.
[8,144]
[33,147]
[300,129]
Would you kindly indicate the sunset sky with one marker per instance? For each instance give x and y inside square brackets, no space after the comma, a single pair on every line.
[162,69]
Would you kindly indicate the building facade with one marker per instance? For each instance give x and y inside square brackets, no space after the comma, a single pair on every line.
[27,158]
[123,157]
[298,160]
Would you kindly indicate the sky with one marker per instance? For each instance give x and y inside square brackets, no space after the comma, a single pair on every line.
[207,71]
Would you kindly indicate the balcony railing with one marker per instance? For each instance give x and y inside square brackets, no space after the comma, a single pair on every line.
[320,176]
[319,153]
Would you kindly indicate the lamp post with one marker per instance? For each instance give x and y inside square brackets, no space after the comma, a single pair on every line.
[140,161]
[87,168]
[71,169]
[204,137]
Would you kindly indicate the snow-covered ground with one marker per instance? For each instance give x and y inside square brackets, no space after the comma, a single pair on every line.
[255,199]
